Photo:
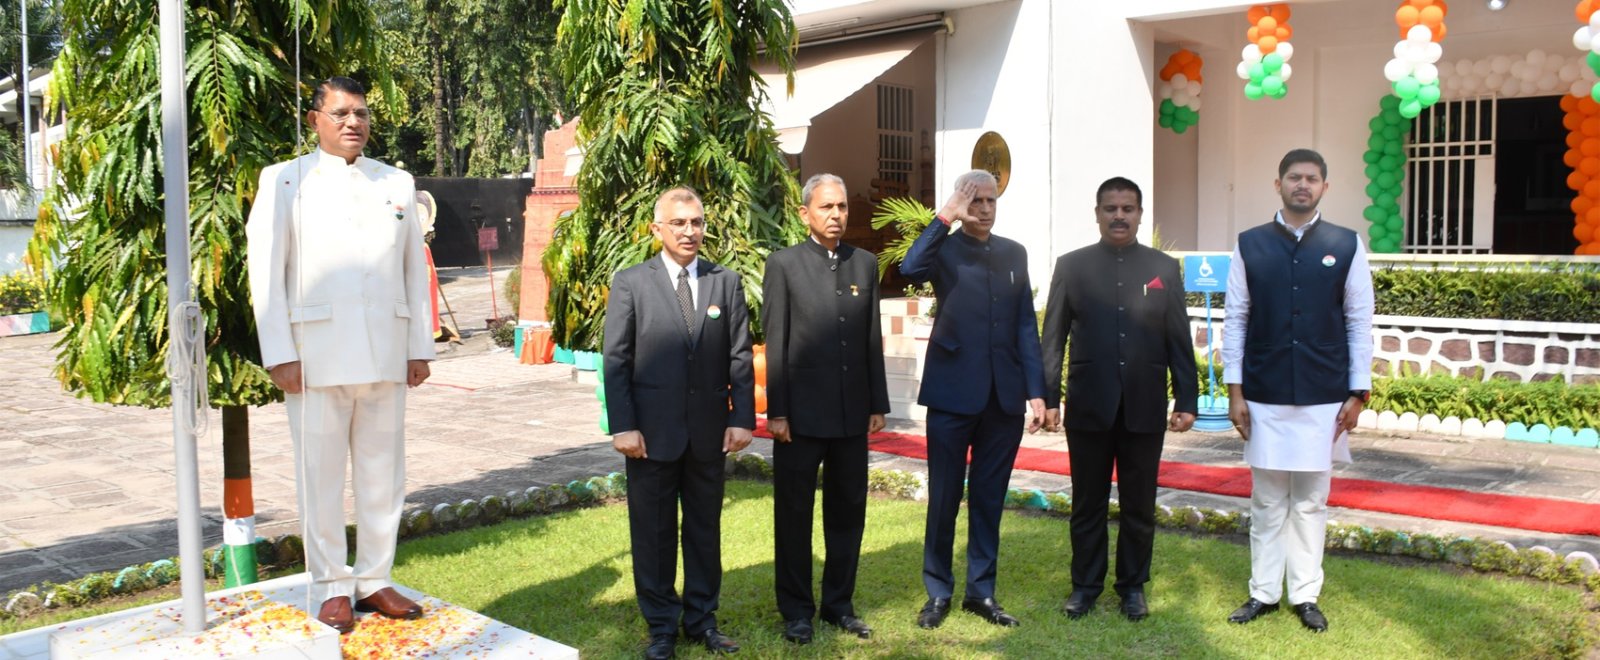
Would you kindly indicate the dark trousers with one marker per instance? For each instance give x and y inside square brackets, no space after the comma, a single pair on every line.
[1137,459]
[844,516]
[654,491]
[993,437]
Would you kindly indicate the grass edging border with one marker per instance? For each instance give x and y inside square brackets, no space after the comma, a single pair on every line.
[286,551]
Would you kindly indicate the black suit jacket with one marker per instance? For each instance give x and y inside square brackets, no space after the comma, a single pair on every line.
[1127,334]
[824,340]
[679,392]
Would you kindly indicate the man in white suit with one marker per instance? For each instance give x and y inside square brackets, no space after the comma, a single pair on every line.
[340,289]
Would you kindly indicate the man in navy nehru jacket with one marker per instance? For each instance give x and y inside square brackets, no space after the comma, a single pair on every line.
[1297,348]
[982,371]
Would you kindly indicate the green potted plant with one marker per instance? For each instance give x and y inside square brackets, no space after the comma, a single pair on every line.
[22,305]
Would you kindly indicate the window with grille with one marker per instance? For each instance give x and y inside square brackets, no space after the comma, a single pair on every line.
[896,146]
[1450,169]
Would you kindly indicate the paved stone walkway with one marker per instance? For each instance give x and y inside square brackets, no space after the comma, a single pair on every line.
[89,487]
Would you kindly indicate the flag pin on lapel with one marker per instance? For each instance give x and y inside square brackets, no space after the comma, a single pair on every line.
[714,312]
[1328,261]
[854,290]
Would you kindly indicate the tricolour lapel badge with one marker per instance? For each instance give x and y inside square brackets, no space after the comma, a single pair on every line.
[714,312]
[855,290]
[1328,261]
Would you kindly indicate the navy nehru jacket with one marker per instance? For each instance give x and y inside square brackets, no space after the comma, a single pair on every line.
[1296,351]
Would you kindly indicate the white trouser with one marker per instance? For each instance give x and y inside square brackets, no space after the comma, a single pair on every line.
[362,426]
[1301,500]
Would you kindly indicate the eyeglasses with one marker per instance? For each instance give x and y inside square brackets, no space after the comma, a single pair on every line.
[362,115]
[681,225]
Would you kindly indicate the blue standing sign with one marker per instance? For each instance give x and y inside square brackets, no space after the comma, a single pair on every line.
[1208,274]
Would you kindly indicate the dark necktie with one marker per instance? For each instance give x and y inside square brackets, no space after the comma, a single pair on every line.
[685,300]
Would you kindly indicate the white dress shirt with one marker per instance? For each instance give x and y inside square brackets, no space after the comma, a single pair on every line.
[694,277]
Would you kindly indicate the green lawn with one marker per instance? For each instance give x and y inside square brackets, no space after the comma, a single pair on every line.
[567,577]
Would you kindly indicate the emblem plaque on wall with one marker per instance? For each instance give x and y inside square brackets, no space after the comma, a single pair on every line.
[992,154]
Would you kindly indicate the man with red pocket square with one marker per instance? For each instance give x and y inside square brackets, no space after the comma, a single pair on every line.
[1122,305]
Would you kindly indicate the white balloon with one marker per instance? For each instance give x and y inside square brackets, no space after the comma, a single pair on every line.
[1569,72]
[1180,81]
[1164,90]
[1582,38]
[1519,70]
[1431,52]
[1396,69]
[1285,71]
[1243,70]
[1425,73]
[1194,104]
[1594,40]
[1482,68]
[1419,34]
[1193,89]
[1580,88]
[1553,62]
[1586,73]
[1401,47]
[1594,23]
[1511,88]
[1252,53]
[1536,57]
[1548,82]
[1527,87]
[1463,67]
[1470,84]
[1500,64]
[1494,80]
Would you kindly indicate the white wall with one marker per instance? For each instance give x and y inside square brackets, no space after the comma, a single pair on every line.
[13,245]
[1174,184]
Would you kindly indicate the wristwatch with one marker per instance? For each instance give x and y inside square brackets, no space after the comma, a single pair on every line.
[1364,395]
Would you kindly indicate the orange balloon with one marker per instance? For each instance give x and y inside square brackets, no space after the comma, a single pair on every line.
[1193,70]
[1577,181]
[761,399]
[1587,105]
[1253,34]
[1585,11]
[1439,32]
[1569,103]
[1592,217]
[1279,11]
[1571,121]
[1592,189]
[1267,24]
[1406,17]
[1591,127]
[1282,33]
[1581,205]
[1584,233]
[1572,158]
[1590,147]
[1267,44]
[1255,13]
[1432,17]
[1419,4]
[1574,139]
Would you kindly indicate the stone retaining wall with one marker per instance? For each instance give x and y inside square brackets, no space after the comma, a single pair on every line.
[1474,348]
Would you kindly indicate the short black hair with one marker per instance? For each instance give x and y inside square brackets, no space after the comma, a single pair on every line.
[1119,183]
[1302,156]
[336,84]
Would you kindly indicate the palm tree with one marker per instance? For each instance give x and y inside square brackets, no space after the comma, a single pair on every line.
[100,233]
[666,96]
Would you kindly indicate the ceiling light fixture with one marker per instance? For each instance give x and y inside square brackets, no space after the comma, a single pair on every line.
[1497,5]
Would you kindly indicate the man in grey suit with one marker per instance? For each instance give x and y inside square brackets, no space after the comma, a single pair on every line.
[680,393]
[826,391]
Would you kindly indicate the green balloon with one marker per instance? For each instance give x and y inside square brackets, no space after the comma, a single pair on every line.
[600,393]
[1594,92]
[1372,214]
[1165,121]
[1389,103]
[1372,172]
[1384,180]
[1410,108]
[1391,133]
[1373,189]
[605,424]
[1273,62]
[1282,91]
[1252,90]
[1594,61]
[1272,84]
[1373,153]
[1257,72]
[1406,88]
[1168,107]
[1395,223]
[1377,232]
[1428,95]
[1376,142]
[1180,128]
[1390,163]
[1377,123]
[1394,148]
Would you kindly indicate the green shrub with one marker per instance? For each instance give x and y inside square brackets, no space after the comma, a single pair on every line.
[512,289]
[1552,403]
[21,293]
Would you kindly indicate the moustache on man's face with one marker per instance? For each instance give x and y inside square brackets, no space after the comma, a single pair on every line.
[1119,224]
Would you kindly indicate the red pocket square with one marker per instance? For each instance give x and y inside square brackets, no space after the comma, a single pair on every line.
[1155,283]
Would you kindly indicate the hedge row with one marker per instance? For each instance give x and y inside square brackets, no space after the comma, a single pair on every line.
[1561,293]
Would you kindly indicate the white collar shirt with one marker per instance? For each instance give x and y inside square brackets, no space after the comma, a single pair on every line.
[694,277]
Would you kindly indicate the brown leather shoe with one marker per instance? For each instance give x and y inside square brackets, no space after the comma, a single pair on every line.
[390,603]
[336,614]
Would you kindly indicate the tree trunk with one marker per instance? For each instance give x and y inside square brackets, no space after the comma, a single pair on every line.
[442,156]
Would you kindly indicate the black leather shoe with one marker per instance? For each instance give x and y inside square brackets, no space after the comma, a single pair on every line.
[798,631]
[1311,617]
[933,612]
[716,642]
[852,625]
[1079,604]
[1134,606]
[1250,610]
[990,611]
[662,647]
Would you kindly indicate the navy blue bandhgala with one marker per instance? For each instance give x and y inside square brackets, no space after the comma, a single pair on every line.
[1295,349]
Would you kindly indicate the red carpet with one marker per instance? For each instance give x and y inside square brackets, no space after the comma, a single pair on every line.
[1516,512]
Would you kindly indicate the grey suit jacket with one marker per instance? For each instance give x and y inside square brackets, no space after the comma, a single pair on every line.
[679,391]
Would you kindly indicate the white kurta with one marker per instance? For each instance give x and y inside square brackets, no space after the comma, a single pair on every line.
[1299,438]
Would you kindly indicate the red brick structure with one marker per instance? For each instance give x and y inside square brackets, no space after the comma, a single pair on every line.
[553,194]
